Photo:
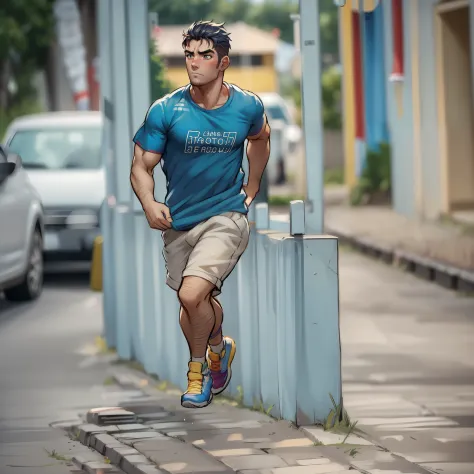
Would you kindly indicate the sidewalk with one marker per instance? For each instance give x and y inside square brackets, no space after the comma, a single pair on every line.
[440,252]
[408,380]
[163,437]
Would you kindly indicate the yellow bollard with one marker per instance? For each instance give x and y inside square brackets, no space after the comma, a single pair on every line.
[96,265]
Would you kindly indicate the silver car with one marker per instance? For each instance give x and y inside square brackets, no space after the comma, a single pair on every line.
[61,152]
[21,232]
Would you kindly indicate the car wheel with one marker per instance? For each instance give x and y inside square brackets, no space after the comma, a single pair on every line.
[32,285]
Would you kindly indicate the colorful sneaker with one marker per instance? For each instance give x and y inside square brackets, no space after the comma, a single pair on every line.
[198,394]
[220,365]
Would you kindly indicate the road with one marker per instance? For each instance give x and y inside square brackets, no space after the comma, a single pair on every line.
[408,367]
[43,347]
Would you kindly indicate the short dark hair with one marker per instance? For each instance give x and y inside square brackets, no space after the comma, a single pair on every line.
[210,31]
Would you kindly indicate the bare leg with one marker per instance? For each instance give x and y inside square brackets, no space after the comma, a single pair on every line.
[219,314]
[197,317]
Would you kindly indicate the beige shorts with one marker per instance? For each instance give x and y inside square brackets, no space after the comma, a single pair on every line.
[210,250]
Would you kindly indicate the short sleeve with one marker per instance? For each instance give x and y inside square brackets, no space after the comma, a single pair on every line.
[151,136]
[257,116]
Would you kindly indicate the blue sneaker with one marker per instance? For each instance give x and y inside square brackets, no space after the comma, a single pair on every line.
[220,365]
[199,393]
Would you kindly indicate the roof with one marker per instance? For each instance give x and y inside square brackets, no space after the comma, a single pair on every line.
[58,119]
[245,39]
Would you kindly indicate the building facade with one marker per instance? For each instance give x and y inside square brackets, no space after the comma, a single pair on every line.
[408,80]
[252,55]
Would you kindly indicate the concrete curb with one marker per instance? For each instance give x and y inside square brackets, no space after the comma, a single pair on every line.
[445,275]
[119,454]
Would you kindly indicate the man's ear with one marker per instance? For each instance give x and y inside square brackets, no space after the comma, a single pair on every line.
[225,63]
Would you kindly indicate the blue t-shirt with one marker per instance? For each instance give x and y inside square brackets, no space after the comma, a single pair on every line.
[202,152]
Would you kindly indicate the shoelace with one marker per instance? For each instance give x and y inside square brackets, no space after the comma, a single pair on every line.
[215,365]
[194,383]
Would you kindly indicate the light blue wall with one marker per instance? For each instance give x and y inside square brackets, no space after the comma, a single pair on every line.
[430,157]
[400,128]
[375,80]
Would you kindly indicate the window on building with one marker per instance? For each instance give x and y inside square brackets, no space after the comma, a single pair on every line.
[237,60]
[250,60]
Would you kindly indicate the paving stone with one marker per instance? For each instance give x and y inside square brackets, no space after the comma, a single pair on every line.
[327,437]
[176,434]
[100,441]
[115,454]
[313,462]
[292,455]
[149,469]
[450,467]
[86,457]
[132,427]
[287,443]
[92,416]
[158,444]
[180,426]
[101,467]
[332,468]
[233,452]
[219,443]
[138,435]
[182,457]
[267,461]
[390,464]
[130,463]
[237,424]
[86,430]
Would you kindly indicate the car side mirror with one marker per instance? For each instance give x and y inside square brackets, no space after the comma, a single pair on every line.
[15,159]
[6,169]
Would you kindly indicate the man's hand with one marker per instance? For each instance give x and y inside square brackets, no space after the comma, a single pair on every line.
[251,191]
[158,215]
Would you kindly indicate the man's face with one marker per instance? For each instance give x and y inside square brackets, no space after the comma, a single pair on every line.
[202,62]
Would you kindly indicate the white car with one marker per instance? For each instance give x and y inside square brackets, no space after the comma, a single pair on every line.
[21,232]
[286,135]
[61,152]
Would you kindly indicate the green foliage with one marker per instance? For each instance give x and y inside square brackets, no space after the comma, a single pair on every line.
[330,97]
[266,15]
[334,176]
[159,85]
[338,420]
[376,176]
[26,32]
[270,14]
[183,12]
[328,24]
[25,107]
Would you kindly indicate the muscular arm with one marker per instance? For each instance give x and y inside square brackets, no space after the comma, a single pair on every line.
[258,153]
[141,175]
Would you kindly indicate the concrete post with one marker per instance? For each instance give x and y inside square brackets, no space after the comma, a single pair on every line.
[105,80]
[311,112]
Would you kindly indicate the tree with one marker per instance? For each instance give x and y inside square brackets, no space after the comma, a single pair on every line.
[26,32]
[269,15]
[159,85]
[328,23]
[183,12]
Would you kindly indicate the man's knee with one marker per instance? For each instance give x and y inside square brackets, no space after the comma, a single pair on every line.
[193,293]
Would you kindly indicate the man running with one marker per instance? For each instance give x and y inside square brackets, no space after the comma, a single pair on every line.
[198,133]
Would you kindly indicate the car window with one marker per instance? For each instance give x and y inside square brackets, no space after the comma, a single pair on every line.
[275,112]
[3,155]
[58,149]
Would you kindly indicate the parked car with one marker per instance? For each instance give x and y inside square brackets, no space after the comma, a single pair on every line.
[286,135]
[22,231]
[61,152]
